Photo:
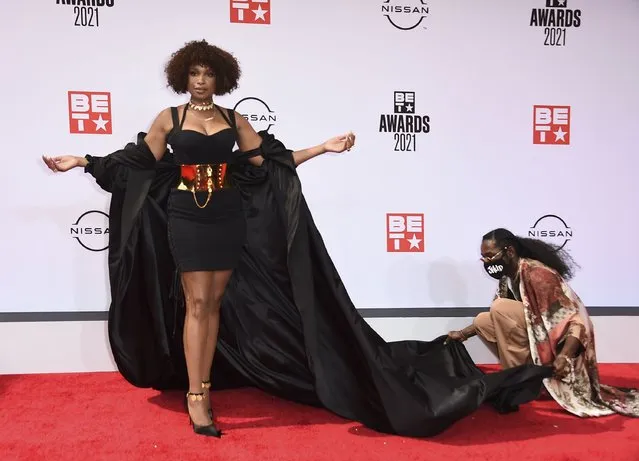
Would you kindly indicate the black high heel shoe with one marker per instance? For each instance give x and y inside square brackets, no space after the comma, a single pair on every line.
[205,385]
[208,430]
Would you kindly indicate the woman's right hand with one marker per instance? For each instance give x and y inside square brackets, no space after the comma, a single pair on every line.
[62,163]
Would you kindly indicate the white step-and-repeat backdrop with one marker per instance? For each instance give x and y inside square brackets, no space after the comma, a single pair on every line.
[470,115]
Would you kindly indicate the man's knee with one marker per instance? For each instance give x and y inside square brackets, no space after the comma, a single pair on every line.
[482,320]
[500,306]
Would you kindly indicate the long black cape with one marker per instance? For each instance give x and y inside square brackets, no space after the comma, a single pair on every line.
[288,326]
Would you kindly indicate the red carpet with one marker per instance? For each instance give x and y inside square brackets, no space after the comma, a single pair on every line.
[98,416]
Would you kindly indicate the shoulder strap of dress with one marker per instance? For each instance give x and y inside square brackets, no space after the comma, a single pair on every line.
[174,128]
[177,124]
[186,106]
[230,118]
[175,117]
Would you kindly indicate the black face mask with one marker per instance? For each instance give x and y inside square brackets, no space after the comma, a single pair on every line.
[495,268]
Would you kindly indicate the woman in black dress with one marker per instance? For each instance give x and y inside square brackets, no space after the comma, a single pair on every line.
[206,222]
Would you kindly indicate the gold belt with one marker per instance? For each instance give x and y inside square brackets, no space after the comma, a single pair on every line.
[203,178]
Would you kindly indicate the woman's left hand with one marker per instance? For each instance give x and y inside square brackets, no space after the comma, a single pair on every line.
[339,144]
[561,366]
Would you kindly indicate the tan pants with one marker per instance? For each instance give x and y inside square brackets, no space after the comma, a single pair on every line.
[503,330]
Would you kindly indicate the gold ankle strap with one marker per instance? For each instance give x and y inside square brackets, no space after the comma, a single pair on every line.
[193,397]
[206,384]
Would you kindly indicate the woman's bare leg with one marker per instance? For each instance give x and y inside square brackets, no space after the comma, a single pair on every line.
[220,281]
[198,290]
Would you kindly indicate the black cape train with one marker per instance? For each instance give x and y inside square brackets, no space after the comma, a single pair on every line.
[288,326]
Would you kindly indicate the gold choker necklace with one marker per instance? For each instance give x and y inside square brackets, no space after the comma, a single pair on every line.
[201,107]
